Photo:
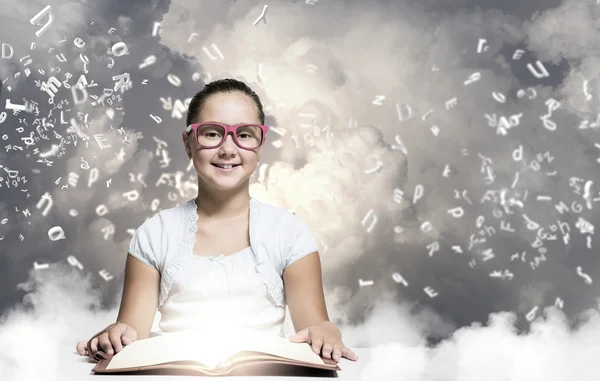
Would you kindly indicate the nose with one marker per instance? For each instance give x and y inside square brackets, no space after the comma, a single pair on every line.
[228,144]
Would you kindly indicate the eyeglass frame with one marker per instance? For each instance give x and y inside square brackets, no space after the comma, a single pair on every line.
[228,129]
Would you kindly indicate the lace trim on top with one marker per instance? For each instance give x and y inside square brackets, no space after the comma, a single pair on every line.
[267,272]
[186,249]
[183,256]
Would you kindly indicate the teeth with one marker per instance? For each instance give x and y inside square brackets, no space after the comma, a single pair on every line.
[224,166]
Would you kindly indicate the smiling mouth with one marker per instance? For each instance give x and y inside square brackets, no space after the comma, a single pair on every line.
[229,166]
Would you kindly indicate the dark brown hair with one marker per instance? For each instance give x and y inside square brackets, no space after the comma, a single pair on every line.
[226,85]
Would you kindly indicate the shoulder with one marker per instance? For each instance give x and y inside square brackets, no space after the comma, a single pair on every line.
[176,212]
[283,222]
[158,235]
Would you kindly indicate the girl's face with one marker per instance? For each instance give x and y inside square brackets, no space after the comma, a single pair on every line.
[228,108]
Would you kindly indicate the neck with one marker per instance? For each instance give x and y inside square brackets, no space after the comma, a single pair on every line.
[220,204]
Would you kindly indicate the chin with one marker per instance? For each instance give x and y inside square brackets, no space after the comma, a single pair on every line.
[224,180]
[228,180]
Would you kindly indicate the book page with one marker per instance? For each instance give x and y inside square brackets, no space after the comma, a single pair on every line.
[257,341]
[176,346]
[209,347]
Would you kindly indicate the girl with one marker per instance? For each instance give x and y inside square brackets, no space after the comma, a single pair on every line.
[223,258]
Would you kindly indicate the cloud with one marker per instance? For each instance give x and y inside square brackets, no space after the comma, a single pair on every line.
[568,32]
[60,304]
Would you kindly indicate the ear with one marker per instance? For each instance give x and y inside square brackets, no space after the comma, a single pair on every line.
[185,139]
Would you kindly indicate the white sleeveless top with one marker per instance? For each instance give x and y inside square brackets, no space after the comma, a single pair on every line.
[223,291]
[244,288]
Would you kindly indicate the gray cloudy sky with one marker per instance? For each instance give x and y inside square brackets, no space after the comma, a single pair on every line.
[481,160]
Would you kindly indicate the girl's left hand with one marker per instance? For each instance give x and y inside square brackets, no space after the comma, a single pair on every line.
[327,337]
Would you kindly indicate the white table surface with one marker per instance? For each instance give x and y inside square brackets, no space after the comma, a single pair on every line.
[75,367]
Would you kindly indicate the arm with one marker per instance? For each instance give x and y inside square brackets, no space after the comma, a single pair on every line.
[303,286]
[141,288]
[140,296]
[304,293]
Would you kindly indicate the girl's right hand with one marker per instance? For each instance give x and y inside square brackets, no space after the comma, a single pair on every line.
[107,342]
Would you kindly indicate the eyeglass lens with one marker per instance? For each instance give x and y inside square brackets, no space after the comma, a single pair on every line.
[248,136]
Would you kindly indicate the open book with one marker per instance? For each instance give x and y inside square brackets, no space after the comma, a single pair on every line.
[214,352]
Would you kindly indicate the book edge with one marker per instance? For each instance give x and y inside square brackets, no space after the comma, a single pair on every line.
[329,364]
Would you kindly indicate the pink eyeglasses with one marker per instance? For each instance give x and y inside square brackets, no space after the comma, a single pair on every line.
[212,134]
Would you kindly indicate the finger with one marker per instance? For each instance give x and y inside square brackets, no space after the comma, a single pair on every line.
[98,352]
[327,349]
[104,344]
[92,347]
[115,339]
[126,340]
[300,336]
[337,352]
[347,353]
[81,347]
[317,343]
[97,355]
